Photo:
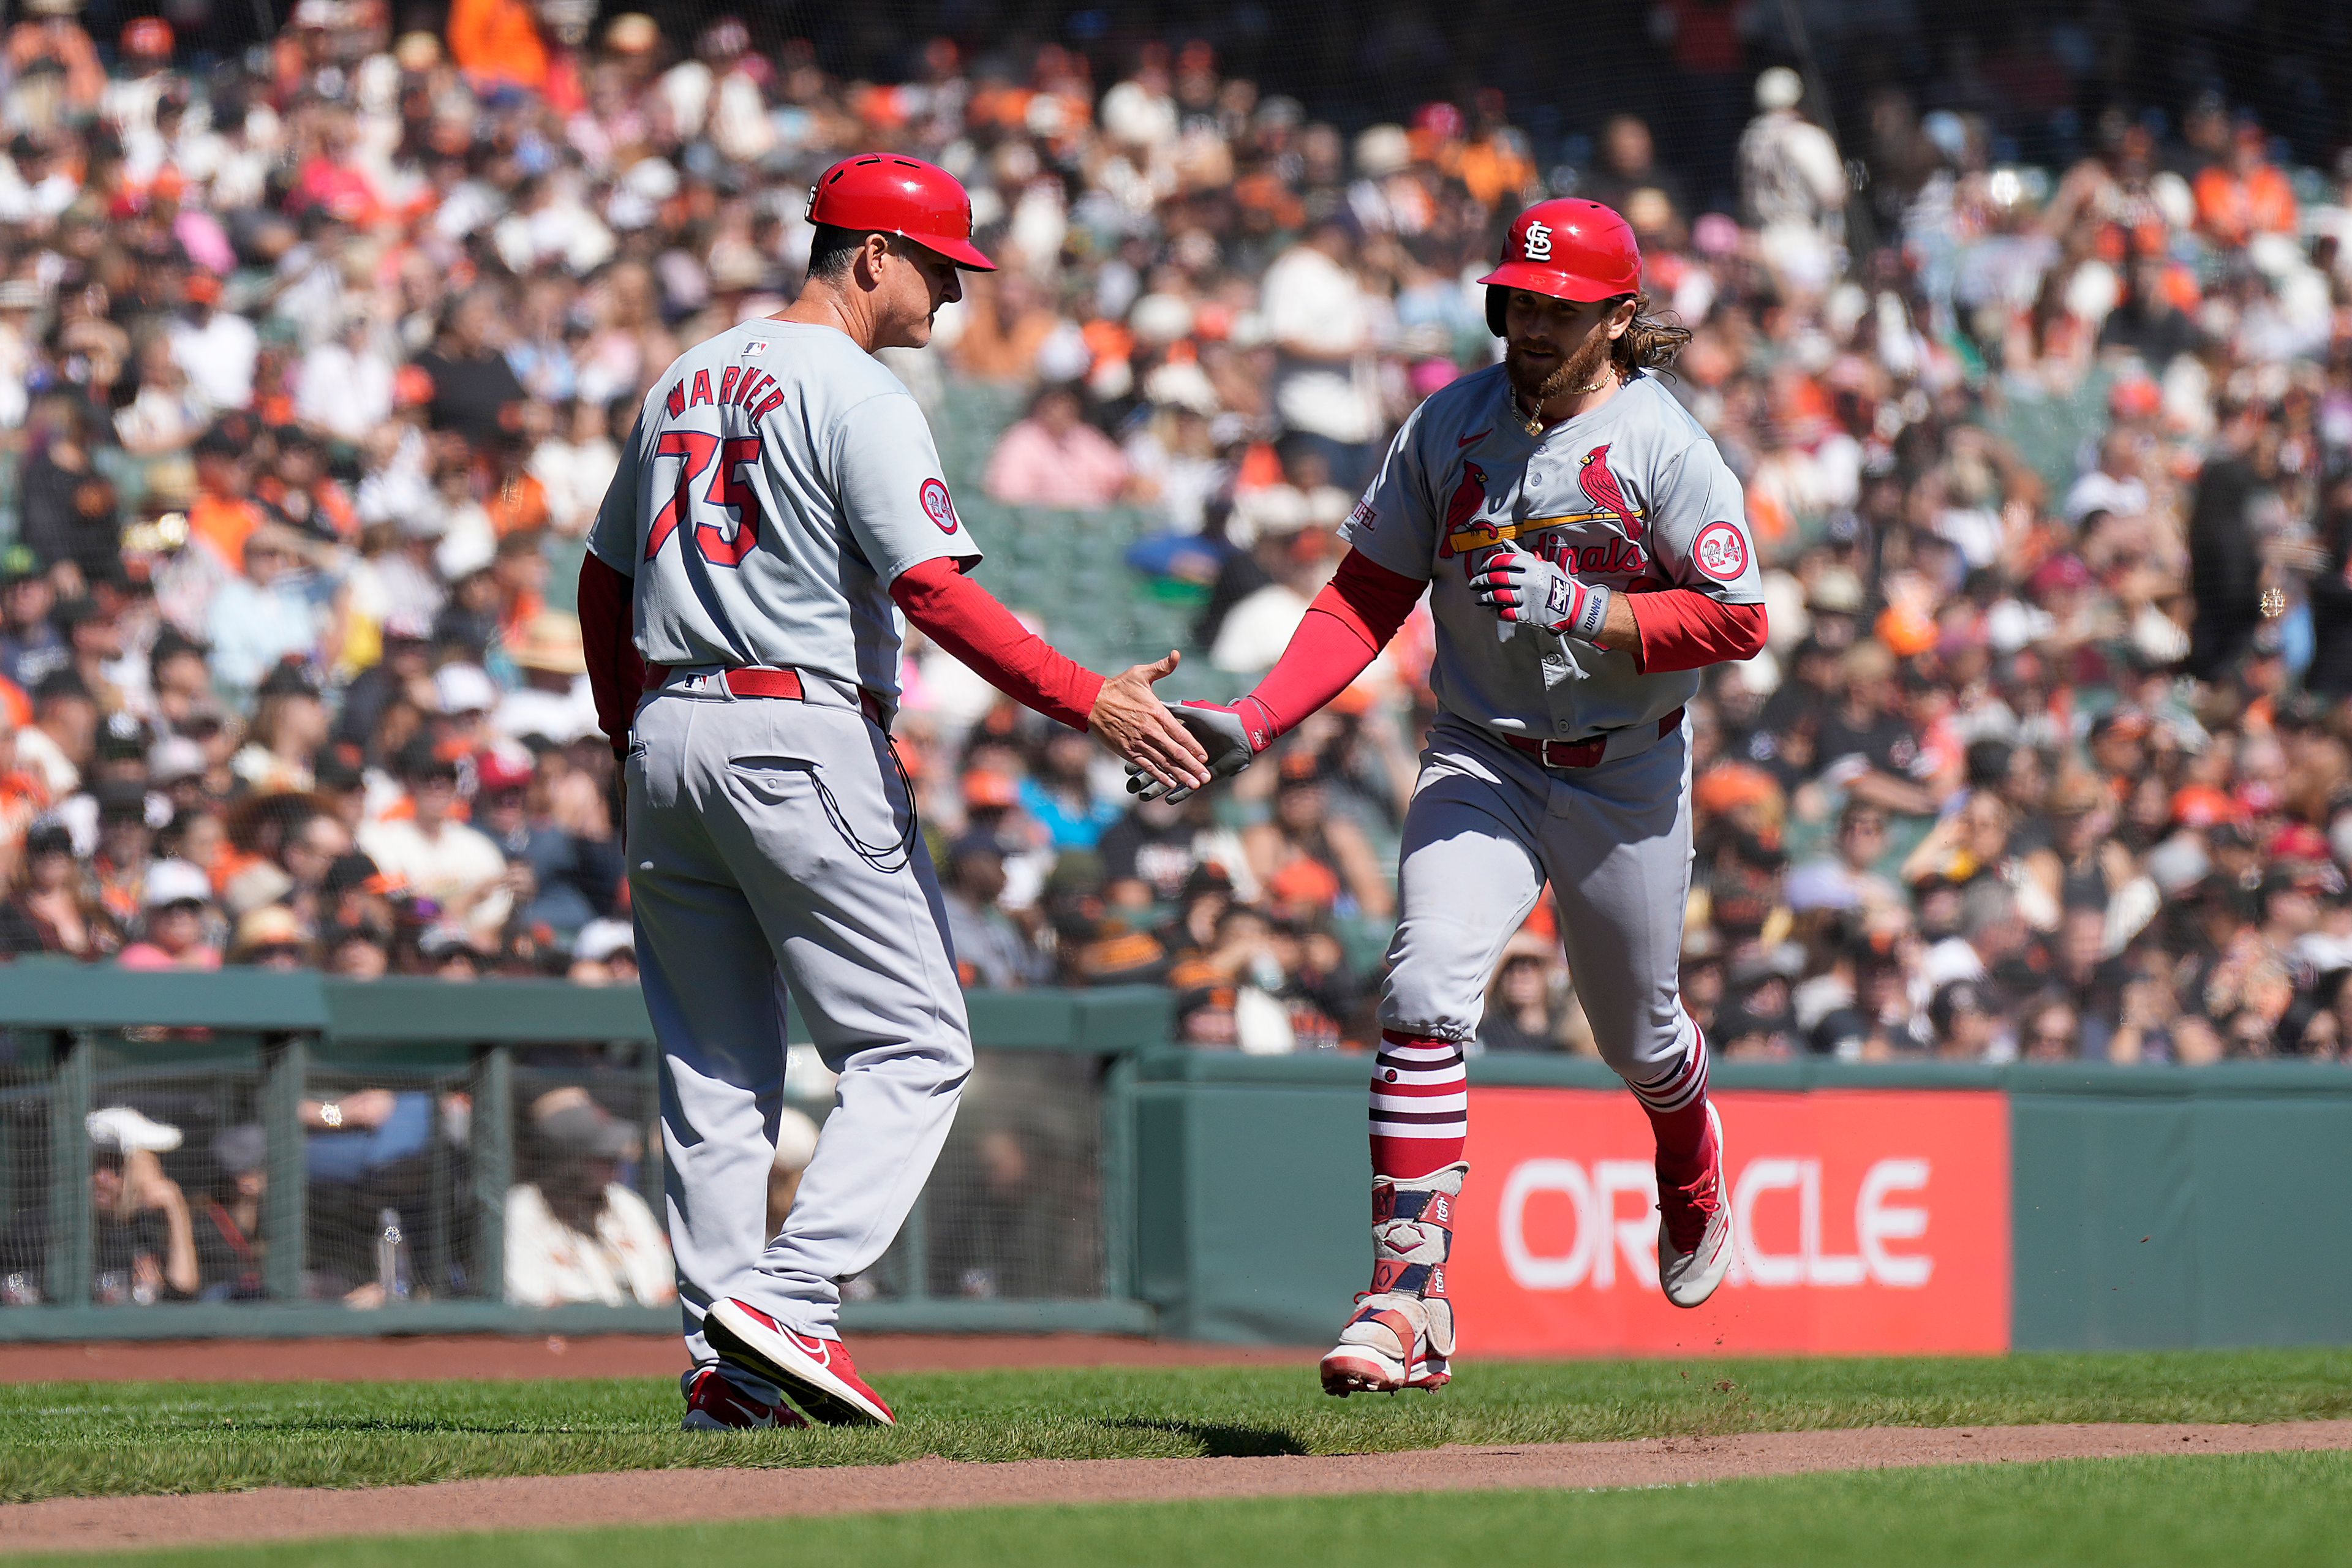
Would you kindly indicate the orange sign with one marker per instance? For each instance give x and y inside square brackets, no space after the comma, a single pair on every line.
[1868,1221]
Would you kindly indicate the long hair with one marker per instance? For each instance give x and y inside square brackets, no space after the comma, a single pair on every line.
[1649,341]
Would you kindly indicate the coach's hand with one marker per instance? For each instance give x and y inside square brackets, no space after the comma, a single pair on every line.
[1135,724]
[1525,588]
[1234,736]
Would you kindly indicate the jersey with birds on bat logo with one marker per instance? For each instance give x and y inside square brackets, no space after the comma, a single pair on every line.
[779,479]
[1633,495]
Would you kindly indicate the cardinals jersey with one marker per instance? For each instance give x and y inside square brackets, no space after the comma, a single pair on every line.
[779,479]
[1633,495]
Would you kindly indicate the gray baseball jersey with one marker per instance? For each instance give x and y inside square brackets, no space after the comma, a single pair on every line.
[1633,495]
[778,481]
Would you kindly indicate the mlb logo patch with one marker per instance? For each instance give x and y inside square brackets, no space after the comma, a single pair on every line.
[756,346]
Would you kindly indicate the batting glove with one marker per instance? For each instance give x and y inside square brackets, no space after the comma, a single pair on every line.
[1232,736]
[1527,589]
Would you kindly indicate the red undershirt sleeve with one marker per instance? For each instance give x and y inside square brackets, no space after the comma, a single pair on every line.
[1682,628]
[968,621]
[615,674]
[1345,628]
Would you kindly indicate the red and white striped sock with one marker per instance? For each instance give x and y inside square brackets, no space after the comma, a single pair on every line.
[1677,1102]
[1421,1106]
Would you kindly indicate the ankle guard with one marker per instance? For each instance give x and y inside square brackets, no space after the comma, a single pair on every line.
[1412,1236]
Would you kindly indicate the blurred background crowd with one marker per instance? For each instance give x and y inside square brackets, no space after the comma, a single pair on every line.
[2028,336]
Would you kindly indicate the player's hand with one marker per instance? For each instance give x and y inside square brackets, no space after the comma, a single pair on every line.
[1130,721]
[1531,591]
[1233,737]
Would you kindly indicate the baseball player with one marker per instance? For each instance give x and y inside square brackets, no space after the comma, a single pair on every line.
[777,509]
[1586,552]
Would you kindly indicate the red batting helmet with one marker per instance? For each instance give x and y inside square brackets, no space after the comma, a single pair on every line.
[1571,249]
[882,191]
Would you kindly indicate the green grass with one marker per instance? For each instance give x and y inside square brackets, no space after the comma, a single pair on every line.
[2279,1511]
[60,1440]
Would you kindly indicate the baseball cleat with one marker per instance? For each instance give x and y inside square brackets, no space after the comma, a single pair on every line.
[715,1404]
[1384,1348]
[1695,1228]
[1403,1330]
[814,1373]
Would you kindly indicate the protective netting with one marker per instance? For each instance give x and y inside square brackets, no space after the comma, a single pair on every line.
[1014,1208]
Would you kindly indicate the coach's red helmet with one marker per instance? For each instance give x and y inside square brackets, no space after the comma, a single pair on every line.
[882,191]
[1569,249]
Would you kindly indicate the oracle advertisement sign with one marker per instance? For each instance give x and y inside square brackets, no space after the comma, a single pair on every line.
[1868,1221]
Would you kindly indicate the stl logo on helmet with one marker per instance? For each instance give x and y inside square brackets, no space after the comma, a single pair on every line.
[1539,242]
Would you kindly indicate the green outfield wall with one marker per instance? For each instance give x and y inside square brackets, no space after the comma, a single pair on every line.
[1915,1207]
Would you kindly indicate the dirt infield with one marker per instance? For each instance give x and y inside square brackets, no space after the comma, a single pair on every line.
[475,1356]
[647,1497]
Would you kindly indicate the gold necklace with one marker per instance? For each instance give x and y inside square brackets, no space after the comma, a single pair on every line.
[1534,422]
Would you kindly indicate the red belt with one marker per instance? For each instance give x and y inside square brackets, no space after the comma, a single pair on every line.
[784,684]
[1579,753]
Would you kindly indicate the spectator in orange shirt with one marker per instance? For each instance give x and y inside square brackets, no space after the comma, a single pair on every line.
[497,43]
[222,516]
[2245,195]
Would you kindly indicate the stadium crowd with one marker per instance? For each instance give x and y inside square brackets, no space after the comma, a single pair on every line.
[312,362]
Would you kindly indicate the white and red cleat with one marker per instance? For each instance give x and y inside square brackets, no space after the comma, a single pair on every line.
[1401,1331]
[1384,1348]
[814,1373]
[1695,1225]
[715,1404]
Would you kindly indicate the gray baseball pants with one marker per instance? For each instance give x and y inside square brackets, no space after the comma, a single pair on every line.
[745,887]
[1486,828]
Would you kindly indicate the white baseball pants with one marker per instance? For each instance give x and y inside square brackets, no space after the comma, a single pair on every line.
[1486,829]
[745,885]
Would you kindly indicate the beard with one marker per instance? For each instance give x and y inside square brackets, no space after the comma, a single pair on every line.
[1580,370]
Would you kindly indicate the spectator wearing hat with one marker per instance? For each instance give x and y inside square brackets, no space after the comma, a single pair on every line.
[124,847]
[271,937]
[215,348]
[355,893]
[563,879]
[434,855]
[142,1245]
[574,1232]
[465,695]
[117,769]
[604,953]
[178,901]
[62,739]
[991,947]
[228,1220]
[30,644]
[223,514]
[555,702]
